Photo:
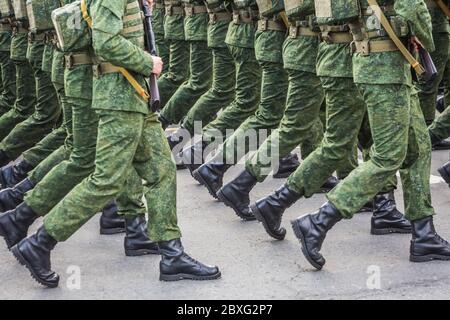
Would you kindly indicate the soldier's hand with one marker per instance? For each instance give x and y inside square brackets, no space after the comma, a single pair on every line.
[416,43]
[150,3]
[157,65]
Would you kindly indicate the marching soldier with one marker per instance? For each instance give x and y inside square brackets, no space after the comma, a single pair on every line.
[7,69]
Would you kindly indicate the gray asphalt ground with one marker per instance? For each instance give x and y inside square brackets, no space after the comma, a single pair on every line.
[359,265]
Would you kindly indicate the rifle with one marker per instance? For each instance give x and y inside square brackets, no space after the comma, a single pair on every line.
[150,46]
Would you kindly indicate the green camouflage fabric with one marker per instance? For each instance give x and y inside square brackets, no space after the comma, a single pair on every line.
[300,123]
[8,79]
[221,92]
[46,112]
[196,25]
[47,58]
[200,77]
[440,129]
[39,14]
[272,103]
[400,142]
[162,46]
[174,27]
[5,40]
[247,94]
[25,83]
[126,140]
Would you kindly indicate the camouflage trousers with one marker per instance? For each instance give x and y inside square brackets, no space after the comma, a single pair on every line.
[25,98]
[54,147]
[219,95]
[247,94]
[400,141]
[200,75]
[428,90]
[440,128]
[345,111]
[8,80]
[44,118]
[126,141]
[162,49]
[177,72]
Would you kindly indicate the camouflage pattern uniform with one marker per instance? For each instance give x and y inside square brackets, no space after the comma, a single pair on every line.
[440,128]
[400,137]
[221,92]
[178,63]
[200,71]
[129,138]
[240,40]
[162,46]
[441,36]
[47,110]
[25,84]
[7,70]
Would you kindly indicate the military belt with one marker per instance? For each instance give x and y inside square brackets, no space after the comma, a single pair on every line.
[19,29]
[5,27]
[265,24]
[295,32]
[336,37]
[36,37]
[192,10]
[171,10]
[245,16]
[367,47]
[219,16]
[104,68]
[77,59]
[158,5]
[389,10]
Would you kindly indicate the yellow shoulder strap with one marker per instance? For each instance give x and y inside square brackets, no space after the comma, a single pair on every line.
[387,26]
[141,91]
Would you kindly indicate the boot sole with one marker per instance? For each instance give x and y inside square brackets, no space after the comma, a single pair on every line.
[221,196]
[379,232]
[305,252]
[7,241]
[282,175]
[110,231]
[427,258]
[444,174]
[185,276]
[20,258]
[140,252]
[202,181]
[261,219]
[440,148]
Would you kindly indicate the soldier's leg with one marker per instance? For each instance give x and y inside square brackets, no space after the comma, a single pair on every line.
[26,98]
[198,83]
[163,49]
[178,70]
[440,129]
[390,137]
[8,75]
[218,96]
[428,90]
[40,123]
[247,94]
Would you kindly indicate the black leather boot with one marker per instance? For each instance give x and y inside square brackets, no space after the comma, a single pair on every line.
[14,224]
[177,265]
[110,221]
[211,176]
[329,184]
[426,244]
[4,159]
[236,195]
[34,254]
[436,143]
[193,156]
[311,230]
[12,197]
[444,171]
[269,210]
[386,218]
[13,174]
[368,207]
[440,103]
[136,241]
[174,140]
[287,166]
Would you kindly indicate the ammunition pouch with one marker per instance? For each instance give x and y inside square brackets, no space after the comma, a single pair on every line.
[302,29]
[336,34]
[266,24]
[245,16]
[189,11]
[77,59]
